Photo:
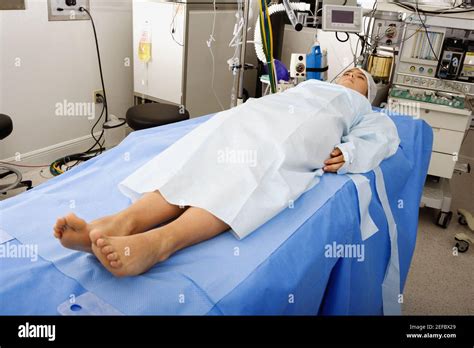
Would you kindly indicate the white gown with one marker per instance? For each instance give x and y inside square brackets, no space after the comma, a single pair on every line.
[247,164]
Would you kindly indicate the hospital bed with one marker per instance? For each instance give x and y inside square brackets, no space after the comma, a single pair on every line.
[282,268]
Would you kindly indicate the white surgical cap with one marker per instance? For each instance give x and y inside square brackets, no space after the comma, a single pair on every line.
[371,86]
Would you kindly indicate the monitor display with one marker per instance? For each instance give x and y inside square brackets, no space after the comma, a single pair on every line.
[339,16]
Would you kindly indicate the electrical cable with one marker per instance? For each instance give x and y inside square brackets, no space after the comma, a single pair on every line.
[410,7]
[97,141]
[105,107]
[24,165]
[340,72]
[426,30]
[338,39]
[362,40]
[421,26]
[82,9]
[354,55]
[56,168]
[364,48]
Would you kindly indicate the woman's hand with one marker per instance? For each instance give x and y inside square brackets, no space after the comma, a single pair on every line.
[334,163]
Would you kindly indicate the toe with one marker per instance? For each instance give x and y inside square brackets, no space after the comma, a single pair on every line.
[94,235]
[107,250]
[58,232]
[101,242]
[116,264]
[60,223]
[112,257]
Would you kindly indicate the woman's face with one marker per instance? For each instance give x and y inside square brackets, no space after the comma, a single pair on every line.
[354,79]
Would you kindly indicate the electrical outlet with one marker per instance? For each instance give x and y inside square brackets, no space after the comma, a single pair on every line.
[67,10]
[98,97]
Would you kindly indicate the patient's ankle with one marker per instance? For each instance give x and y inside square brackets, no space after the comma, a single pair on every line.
[128,221]
[131,224]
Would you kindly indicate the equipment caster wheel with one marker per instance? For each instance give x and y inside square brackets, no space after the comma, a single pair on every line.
[466,218]
[463,241]
[444,219]
[462,246]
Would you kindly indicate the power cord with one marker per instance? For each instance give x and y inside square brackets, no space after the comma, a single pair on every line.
[56,168]
[338,39]
[105,108]
[410,7]
[82,9]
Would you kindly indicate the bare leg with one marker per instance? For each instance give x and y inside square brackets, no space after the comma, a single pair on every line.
[135,254]
[149,211]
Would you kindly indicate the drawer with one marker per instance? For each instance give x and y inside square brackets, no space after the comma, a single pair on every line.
[447,141]
[457,120]
[439,119]
[441,165]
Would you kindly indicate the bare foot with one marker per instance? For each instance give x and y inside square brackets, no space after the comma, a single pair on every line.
[131,255]
[75,233]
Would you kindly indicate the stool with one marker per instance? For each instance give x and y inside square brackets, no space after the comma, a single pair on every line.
[6,128]
[150,115]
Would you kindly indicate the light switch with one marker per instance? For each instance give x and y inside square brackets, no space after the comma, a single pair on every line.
[67,10]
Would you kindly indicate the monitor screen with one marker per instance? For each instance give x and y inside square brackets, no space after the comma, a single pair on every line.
[342,16]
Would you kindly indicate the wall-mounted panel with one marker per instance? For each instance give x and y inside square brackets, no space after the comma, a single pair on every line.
[12,4]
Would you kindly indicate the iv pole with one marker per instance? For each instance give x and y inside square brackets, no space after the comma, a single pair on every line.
[239,70]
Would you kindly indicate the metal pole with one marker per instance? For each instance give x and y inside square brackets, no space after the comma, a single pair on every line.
[235,87]
[235,67]
[243,52]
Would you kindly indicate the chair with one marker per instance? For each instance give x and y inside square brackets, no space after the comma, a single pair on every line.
[150,115]
[6,128]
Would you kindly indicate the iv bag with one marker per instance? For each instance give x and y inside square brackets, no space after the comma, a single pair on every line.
[144,47]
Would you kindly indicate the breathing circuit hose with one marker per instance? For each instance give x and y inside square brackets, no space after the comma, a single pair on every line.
[298,6]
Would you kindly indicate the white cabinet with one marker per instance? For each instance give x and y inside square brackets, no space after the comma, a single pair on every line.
[449,126]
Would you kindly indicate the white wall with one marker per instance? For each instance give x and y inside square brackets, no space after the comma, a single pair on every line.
[43,63]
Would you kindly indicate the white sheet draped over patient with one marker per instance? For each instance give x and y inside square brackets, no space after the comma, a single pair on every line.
[247,164]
